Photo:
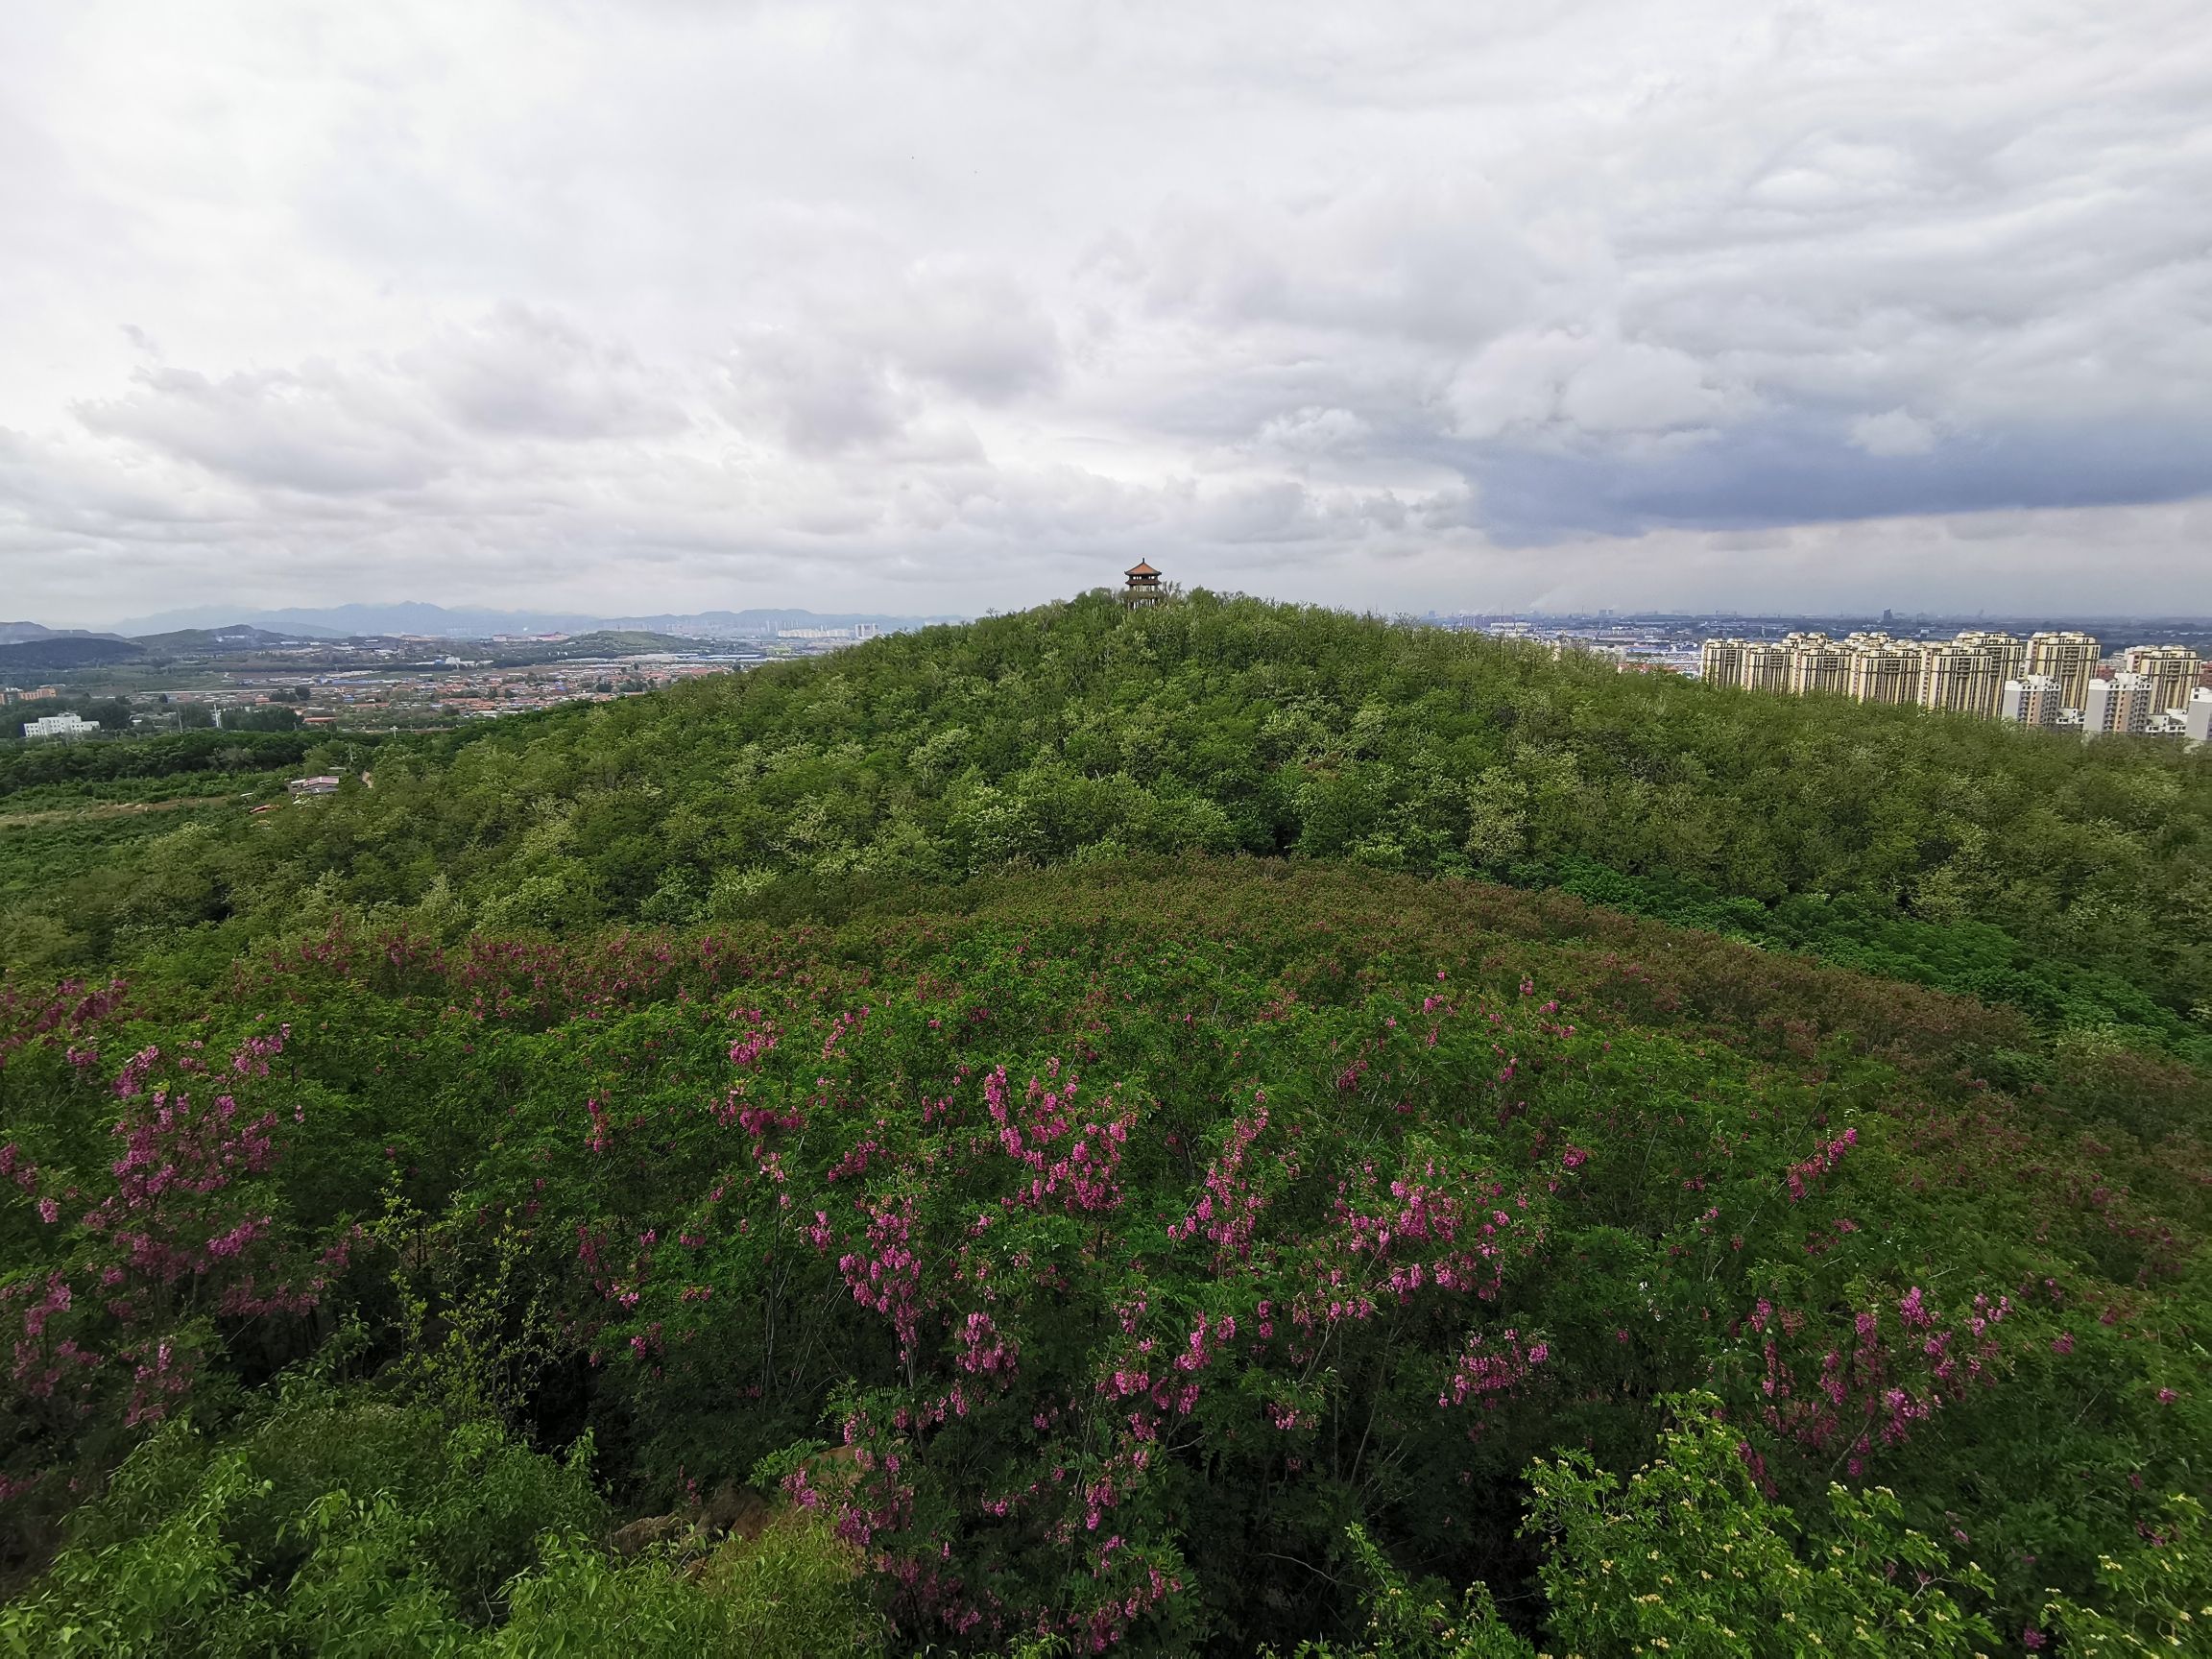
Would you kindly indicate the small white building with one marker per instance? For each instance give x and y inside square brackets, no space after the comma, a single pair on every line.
[66,726]
[303,788]
[2197,716]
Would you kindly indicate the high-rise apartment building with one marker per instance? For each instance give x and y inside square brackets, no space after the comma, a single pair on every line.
[2119,705]
[1766,666]
[1974,684]
[2008,653]
[1883,669]
[2032,700]
[1817,663]
[2045,681]
[2068,657]
[2171,669]
[1721,662]
[1963,676]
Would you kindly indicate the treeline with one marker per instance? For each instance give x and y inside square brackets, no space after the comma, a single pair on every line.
[167,755]
[108,713]
[118,716]
[1968,957]
[1081,732]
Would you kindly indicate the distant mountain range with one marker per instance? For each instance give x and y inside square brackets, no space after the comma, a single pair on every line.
[51,652]
[26,648]
[436,621]
[24,633]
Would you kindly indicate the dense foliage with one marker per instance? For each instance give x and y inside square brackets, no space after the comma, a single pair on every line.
[111,714]
[1128,1236]
[885,1099]
[334,1526]
[1082,731]
[161,757]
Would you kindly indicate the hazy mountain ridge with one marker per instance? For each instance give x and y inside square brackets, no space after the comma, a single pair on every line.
[237,636]
[24,633]
[54,652]
[420,617]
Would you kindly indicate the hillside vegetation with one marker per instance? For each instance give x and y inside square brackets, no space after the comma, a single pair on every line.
[878,1120]
[2072,879]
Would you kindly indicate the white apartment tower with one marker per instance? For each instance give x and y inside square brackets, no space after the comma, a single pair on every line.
[2032,700]
[2197,716]
[2119,705]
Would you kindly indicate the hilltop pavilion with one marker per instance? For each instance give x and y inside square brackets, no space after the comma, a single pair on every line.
[1143,588]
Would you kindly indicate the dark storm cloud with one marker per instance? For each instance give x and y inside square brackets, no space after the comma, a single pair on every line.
[1791,472]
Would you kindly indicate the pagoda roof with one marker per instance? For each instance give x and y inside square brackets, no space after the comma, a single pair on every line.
[1140,568]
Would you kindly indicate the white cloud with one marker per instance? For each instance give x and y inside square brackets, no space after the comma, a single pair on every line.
[956,307]
[1893,432]
[524,371]
[1578,384]
[317,428]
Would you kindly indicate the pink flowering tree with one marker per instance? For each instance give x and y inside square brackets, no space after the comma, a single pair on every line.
[160,1236]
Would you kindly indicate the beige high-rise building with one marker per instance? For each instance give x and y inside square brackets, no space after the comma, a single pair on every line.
[1766,666]
[2171,669]
[1883,670]
[2070,658]
[1817,663]
[1994,640]
[1968,674]
[1958,678]
[2006,658]
[1721,662]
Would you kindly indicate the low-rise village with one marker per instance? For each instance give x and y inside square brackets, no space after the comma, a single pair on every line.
[388,685]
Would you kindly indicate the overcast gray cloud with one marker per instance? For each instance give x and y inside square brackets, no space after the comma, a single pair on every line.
[670,303]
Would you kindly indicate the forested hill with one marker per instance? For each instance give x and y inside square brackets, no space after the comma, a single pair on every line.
[1025,1139]
[2073,880]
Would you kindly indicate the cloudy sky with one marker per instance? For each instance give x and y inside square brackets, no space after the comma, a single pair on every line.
[668,304]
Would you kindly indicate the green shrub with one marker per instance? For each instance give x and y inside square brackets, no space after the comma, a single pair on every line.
[345,1525]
